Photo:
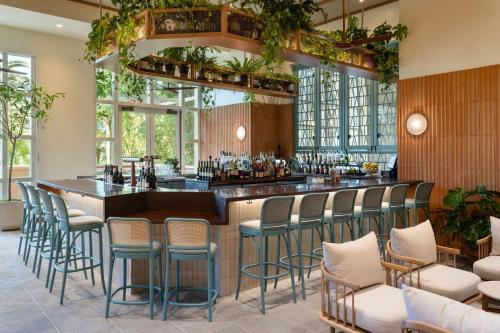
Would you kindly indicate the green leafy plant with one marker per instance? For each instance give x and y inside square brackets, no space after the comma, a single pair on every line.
[174,162]
[248,66]
[207,99]
[133,85]
[21,102]
[468,213]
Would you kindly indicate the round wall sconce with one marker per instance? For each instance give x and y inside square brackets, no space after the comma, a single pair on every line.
[241,133]
[416,124]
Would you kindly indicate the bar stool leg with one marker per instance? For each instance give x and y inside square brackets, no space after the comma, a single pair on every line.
[91,254]
[110,279]
[58,251]
[84,264]
[124,279]
[42,248]
[278,250]
[301,268]
[69,246]
[177,280]
[415,213]
[290,264]
[53,244]
[167,285]
[30,239]
[240,259]
[266,259]
[311,249]
[261,274]
[23,226]
[101,261]
[209,294]
[151,284]
[160,275]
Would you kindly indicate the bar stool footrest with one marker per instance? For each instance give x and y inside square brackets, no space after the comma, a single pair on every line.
[266,277]
[138,286]
[174,292]
[284,261]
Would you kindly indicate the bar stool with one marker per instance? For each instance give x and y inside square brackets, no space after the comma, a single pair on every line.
[132,238]
[310,217]
[395,206]
[26,222]
[342,213]
[38,225]
[421,200]
[370,209]
[274,221]
[78,225]
[187,240]
[48,243]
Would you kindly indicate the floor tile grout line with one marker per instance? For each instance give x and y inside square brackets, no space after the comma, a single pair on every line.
[41,309]
[110,319]
[176,326]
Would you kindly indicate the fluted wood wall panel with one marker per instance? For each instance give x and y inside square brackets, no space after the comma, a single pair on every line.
[461,147]
[267,125]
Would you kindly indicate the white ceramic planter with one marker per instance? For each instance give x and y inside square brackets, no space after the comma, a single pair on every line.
[11,214]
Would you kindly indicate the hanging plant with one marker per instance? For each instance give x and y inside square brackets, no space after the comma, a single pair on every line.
[207,99]
[133,85]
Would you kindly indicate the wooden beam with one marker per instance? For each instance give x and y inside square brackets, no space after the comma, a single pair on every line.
[383,3]
[88,3]
[325,2]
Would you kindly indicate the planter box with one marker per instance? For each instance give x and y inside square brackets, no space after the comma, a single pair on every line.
[11,214]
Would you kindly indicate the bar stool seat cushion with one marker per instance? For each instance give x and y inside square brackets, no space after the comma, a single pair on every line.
[72,212]
[385,205]
[84,220]
[156,249]
[487,268]
[213,248]
[358,209]
[379,308]
[252,224]
[446,281]
[295,220]
[409,202]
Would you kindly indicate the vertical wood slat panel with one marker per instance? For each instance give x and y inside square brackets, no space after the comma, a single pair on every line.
[461,147]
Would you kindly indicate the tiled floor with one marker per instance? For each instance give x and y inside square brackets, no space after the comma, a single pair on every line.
[26,306]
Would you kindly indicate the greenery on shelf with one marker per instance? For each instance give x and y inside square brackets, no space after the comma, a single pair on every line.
[133,85]
[248,66]
[21,102]
[468,215]
[207,99]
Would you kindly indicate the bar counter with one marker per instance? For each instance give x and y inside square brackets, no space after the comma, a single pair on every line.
[225,208]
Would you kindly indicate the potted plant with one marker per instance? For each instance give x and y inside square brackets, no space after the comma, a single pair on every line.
[467,215]
[243,69]
[20,102]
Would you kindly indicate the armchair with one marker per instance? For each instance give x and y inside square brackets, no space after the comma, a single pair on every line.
[487,267]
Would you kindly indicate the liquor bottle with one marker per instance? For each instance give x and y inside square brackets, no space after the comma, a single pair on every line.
[152,180]
[147,178]
[115,175]
[105,174]
[121,180]
[143,178]
[198,171]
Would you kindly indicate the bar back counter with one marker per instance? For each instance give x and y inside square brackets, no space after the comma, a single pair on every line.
[224,208]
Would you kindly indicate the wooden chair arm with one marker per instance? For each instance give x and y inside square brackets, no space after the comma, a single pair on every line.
[327,275]
[448,250]
[420,326]
[483,240]
[398,273]
[397,256]
[395,267]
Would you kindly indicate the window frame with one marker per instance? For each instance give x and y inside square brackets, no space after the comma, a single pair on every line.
[4,162]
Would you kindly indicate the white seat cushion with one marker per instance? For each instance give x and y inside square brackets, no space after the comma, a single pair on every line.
[75,212]
[78,221]
[409,202]
[253,224]
[156,248]
[213,248]
[488,268]
[416,242]
[447,314]
[357,262]
[385,205]
[295,220]
[495,236]
[379,309]
[446,281]
[357,209]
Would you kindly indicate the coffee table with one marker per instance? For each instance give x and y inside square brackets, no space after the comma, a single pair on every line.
[491,294]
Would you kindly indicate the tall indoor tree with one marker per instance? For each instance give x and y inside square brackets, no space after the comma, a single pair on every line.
[21,102]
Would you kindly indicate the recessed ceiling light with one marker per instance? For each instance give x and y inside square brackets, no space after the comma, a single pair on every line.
[59,25]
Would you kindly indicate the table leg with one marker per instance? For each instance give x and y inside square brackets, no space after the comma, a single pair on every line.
[485,303]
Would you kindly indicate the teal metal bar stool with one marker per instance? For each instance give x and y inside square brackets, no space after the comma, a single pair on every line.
[342,213]
[80,226]
[38,225]
[274,221]
[26,222]
[310,217]
[421,200]
[187,240]
[129,239]
[371,209]
[395,207]
[48,243]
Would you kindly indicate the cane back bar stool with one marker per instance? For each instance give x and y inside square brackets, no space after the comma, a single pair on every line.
[25,225]
[78,225]
[370,209]
[421,200]
[38,225]
[132,238]
[342,213]
[274,221]
[188,239]
[310,217]
[395,206]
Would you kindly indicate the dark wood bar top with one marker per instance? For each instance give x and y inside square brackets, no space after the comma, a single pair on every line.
[210,204]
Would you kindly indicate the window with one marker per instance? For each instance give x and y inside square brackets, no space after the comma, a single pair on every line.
[24,161]
[137,117]
[343,112]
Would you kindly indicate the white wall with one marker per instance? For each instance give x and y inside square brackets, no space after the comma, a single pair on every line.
[66,142]
[373,17]
[446,36]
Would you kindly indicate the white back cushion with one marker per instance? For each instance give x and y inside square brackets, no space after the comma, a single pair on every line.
[495,236]
[416,242]
[446,313]
[356,262]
